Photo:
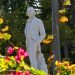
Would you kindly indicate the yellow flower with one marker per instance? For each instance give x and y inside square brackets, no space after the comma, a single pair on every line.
[6,28]
[56,63]
[50,37]
[63,19]
[72,74]
[62,11]
[6,36]
[72,66]
[15,47]
[6,62]
[45,41]
[66,63]
[1,20]
[67,2]
[50,58]
[1,36]
[22,57]
[65,67]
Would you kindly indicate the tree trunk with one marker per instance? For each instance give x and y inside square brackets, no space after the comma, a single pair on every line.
[65,49]
[55,32]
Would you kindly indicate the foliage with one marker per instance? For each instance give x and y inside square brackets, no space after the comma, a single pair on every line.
[13,13]
[65,26]
[65,31]
[5,35]
[65,68]
[46,9]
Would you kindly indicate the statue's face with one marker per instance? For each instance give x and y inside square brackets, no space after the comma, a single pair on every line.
[30,12]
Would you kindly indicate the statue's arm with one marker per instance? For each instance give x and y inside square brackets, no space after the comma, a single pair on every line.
[25,29]
[41,31]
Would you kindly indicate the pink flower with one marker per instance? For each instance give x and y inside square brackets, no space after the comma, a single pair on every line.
[23,73]
[10,50]
[17,58]
[26,54]
[19,73]
[22,52]
[21,55]
[27,73]
[11,73]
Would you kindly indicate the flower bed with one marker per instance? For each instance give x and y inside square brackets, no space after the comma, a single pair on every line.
[15,65]
[65,68]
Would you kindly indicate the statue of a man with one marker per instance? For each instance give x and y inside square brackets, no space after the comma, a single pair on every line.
[35,33]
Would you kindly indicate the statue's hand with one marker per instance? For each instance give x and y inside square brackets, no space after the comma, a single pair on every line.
[38,48]
[38,51]
[37,42]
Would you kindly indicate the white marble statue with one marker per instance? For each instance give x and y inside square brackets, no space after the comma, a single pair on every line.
[35,33]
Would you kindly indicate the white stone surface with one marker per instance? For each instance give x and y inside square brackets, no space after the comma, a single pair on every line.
[35,33]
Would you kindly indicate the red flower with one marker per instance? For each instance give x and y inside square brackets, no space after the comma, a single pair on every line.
[10,50]
[18,73]
[23,73]
[7,58]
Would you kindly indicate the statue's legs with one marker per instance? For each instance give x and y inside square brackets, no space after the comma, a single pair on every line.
[32,56]
[41,62]
[36,58]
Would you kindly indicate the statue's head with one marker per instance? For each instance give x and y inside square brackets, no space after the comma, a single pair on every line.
[30,12]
